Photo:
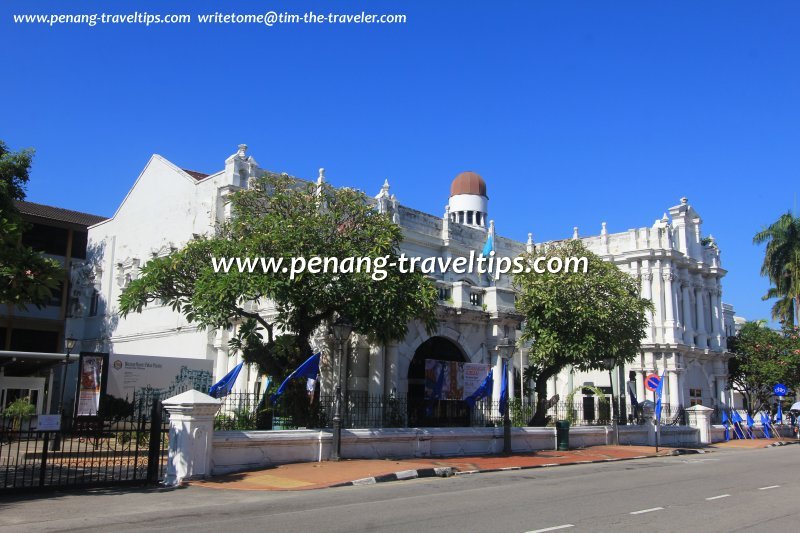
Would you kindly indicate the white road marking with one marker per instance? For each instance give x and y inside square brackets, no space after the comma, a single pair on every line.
[770,487]
[554,528]
[717,497]
[647,510]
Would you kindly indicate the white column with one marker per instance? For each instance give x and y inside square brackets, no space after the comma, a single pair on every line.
[647,294]
[669,307]
[376,370]
[688,328]
[191,435]
[716,318]
[720,394]
[221,364]
[510,377]
[674,389]
[700,417]
[658,301]
[640,386]
[390,382]
[497,375]
[701,327]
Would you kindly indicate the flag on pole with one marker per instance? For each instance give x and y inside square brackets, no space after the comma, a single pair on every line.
[750,424]
[309,369]
[736,418]
[504,389]
[489,246]
[765,425]
[779,416]
[725,423]
[483,391]
[659,391]
[224,386]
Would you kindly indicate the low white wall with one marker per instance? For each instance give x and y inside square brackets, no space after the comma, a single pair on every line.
[676,436]
[244,450]
[235,451]
[785,432]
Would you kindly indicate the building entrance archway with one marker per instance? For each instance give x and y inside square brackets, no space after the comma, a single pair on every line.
[426,411]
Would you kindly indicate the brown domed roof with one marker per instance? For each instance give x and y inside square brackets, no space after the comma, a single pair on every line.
[468,183]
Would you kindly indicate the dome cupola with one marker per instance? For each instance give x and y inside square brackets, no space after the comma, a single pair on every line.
[469,204]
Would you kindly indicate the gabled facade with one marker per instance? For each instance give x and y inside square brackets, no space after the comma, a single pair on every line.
[679,269]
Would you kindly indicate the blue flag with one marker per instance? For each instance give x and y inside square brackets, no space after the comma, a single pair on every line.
[309,370]
[779,416]
[489,246]
[765,425]
[504,389]
[437,389]
[725,423]
[223,387]
[750,424]
[483,391]
[736,418]
[659,391]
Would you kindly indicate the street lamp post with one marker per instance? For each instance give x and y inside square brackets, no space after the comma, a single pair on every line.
[609,363]
[341,329]
[505,350]
[70,342]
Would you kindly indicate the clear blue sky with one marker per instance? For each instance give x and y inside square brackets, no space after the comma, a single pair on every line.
[575,112]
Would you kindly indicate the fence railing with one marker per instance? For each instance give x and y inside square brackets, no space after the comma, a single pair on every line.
[129,446]
[245,411]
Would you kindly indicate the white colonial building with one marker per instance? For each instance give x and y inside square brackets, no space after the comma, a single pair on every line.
[679,269]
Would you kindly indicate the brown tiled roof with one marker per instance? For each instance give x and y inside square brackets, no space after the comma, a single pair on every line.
[196,175]
[468,183]
[57,213]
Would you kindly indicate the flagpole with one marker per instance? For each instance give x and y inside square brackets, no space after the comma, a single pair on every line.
[658,422]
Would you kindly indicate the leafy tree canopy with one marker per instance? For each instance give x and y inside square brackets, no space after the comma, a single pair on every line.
[26,277]
[782,266]
[577,318]
[763,357]
[279,217]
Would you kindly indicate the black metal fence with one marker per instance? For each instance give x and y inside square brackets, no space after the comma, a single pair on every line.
[90,451]
[246,411]
[597,412]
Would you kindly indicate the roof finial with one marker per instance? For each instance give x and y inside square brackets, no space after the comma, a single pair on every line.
[321,178]
[665,218]
[684,200]
[575,232]
[242,151]
[603,230]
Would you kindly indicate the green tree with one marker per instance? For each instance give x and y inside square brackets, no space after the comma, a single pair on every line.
[26,277]
[782,266]
[577,318]
[280,217]
[763,357]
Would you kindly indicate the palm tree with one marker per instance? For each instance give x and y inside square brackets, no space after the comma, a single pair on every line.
[783,309]
[782,263]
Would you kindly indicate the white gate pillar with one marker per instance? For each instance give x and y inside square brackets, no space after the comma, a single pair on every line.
[191,431]
[700,417]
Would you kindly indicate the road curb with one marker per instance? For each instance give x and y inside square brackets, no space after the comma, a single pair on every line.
[782,443]
[449,471]
[550,465]
[445,471]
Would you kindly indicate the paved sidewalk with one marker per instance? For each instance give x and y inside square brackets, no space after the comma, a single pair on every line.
[305,476]
[753,443]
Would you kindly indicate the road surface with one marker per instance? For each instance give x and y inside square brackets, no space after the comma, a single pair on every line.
[722,491]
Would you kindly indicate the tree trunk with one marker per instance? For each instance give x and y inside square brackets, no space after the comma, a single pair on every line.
[540,415]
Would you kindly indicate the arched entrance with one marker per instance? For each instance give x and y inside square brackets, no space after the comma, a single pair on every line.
[427,412]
